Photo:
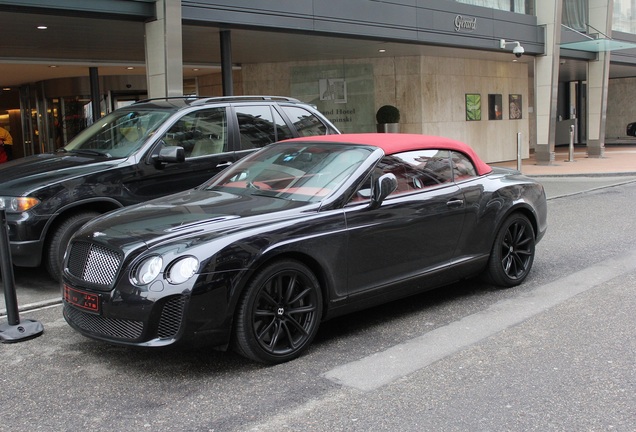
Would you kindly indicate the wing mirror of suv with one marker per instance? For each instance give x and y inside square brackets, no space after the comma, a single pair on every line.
[382,188]
[168,154]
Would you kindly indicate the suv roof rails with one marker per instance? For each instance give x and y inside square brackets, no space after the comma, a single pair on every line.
[185,97]
[198,100]
[243,98]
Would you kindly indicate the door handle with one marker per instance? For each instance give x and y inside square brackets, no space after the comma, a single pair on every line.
[223,164]
[455,203]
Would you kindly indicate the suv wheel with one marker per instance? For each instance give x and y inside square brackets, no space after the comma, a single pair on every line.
[56,246]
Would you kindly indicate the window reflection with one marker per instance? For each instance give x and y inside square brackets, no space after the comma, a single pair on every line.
[200,133]
[305,122]
[259,126]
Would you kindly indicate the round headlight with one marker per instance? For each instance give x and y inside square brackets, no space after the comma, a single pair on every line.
[147,270]
[182,270]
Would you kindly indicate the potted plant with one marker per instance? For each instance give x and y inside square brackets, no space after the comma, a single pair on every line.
[388,118]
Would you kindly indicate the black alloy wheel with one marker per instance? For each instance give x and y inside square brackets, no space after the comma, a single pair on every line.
[513,252]
[279,313]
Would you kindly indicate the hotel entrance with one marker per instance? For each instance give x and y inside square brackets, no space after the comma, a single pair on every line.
[45,116]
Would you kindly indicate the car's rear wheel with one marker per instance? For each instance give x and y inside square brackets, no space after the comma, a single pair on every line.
[279,314]
[512,252]
[56,246]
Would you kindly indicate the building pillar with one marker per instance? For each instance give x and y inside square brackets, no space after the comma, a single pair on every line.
[547,80]
[164,51]
[96,96]
[226,63]
[600,13]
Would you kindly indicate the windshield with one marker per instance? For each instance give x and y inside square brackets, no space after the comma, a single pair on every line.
[119,134]
[294,171]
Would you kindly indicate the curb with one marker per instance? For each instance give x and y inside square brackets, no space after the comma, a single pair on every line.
[33,306]
[601,174]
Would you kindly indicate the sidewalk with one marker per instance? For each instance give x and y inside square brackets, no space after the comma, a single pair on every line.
[619,159]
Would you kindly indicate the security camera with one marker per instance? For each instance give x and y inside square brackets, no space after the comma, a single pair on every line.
[518,51]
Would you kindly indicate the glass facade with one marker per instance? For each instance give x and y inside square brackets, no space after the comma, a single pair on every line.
[518,6]
[624,18]
[575,14]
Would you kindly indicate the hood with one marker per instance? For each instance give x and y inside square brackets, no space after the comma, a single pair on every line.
[24,175]
[202,212]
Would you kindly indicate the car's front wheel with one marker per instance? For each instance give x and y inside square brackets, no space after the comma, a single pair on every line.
[56,246]
[512,252]
[279,313]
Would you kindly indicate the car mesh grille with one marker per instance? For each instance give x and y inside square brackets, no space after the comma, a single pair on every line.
[93,263]
[171,318]
[117,328]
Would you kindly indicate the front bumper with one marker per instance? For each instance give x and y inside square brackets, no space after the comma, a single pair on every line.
[139,317]
[26,253]
[26,236]
[159,324]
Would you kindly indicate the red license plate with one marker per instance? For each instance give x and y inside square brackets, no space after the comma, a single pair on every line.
[81,299]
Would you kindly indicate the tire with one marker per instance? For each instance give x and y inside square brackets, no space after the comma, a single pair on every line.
[512,252]
[58,240]
[279,313]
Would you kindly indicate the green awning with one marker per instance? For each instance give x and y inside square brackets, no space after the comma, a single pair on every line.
[599,45]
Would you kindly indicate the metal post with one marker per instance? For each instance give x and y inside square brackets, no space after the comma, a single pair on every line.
[15,330]
[571,157]
[519,151]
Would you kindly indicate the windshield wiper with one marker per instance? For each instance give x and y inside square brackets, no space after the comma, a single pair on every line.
[270,194]
[90,152]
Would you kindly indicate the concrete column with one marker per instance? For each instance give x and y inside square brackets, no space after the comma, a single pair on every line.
[547,80]
[96,96]
[164,51]
[226,63]
[598,78]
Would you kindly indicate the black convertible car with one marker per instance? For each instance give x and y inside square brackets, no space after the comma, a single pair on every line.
[301,231]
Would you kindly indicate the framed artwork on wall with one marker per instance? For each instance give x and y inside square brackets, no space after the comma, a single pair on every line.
[514,104]
[333,89]
[473,106]
[494,107]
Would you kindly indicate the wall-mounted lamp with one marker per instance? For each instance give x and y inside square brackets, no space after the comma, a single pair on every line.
[517,50]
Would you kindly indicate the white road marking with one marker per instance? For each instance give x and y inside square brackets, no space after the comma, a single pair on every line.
[400,360]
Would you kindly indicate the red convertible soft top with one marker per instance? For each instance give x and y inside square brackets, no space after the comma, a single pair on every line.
[392,143]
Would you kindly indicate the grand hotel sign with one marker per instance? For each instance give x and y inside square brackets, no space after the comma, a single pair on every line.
[465,24]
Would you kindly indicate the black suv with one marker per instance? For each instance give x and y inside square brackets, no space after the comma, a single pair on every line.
[143,151]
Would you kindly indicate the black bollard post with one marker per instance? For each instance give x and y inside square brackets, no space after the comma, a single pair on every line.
[15,330]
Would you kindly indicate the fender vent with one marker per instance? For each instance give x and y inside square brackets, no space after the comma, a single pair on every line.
[171,318]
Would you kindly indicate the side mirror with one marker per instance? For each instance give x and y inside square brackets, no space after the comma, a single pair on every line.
[382,188]
[169,154]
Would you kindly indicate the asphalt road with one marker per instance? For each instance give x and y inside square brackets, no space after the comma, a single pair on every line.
[557,353]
